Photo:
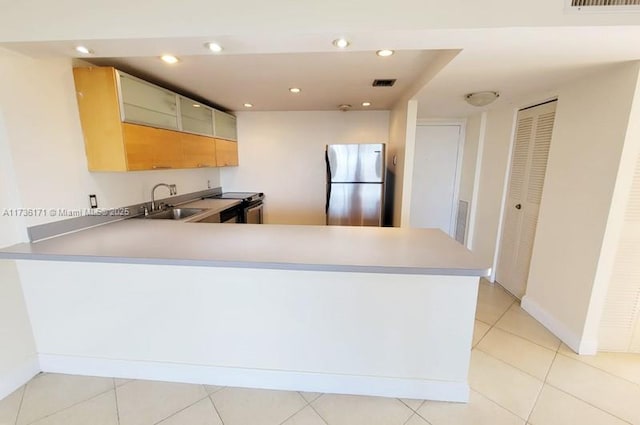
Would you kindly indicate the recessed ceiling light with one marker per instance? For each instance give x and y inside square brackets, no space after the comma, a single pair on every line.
[248,105]
[366,103]
[214,47]
[195,105]
[341,43]
[344,107]
[295,90]
[84,50]
[385,52]
[169,59]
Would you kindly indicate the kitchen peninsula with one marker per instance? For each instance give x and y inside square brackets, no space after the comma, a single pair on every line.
[358,310]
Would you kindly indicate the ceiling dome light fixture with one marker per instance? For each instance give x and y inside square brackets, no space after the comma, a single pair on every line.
[344,107]
[295,90]
[366,104]
[214,47]
[481,98]
[248,105]
[384,53]
[84,50]
[341,43]
[170,59]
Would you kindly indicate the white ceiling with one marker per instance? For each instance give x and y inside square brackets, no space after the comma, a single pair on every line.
[327,80]
[524,50]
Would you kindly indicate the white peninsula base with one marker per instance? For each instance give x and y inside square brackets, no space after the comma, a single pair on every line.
[383,334]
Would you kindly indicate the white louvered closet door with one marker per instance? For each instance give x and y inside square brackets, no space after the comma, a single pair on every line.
[526,180]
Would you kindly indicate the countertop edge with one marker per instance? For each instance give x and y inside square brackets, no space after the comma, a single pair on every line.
[250,265]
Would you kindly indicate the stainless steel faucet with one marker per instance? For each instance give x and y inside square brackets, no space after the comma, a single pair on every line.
[172,191]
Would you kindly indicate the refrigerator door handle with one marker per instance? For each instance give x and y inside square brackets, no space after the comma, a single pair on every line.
[326,158]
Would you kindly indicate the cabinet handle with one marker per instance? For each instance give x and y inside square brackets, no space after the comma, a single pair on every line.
[161,167]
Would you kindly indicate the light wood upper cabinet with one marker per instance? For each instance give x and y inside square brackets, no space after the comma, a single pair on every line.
[149,148]
[198,151]
[131,125]
[226,153]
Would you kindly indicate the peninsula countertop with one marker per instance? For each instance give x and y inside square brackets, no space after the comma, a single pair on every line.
[267,246]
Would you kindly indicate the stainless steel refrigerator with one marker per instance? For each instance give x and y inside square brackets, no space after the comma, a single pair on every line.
[355,184]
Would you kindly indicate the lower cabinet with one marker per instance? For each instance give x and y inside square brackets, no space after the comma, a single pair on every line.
[226,153]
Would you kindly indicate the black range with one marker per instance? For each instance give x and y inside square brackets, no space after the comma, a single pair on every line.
[250,207]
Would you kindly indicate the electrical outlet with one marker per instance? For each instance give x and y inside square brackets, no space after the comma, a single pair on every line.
[208,184]
[93,201]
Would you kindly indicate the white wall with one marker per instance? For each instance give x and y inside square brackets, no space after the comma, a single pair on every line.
[619,327]
[589,135]
[17,352]
[18,361]
[44,136]
[493,168]
[469,157]
[282,155]
[402,131]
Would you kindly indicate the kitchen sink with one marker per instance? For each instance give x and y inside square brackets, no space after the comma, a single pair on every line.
[174,213]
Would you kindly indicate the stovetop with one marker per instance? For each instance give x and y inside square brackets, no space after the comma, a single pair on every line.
[246,196]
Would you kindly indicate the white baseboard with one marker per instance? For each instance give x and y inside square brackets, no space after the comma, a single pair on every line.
[559,329]
[258,378]
[18,376]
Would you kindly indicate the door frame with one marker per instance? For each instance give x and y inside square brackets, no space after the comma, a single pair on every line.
[505,187]
[421,122]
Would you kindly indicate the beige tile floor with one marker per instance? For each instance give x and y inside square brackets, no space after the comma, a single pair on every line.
[520,374]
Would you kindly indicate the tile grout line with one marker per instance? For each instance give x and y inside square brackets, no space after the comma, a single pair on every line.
[494,325]
[306,403]
[184,408]
[588,403]
[69,407]
[315,410]
[115,394]
[597,368]
[24,391]
[415,414]
[544,382]
[215,408]
[512,366]
[411,408]
[531,341]
[574,395]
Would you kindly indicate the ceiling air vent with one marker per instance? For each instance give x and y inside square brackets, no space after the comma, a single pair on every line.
[602,4]
[384,83]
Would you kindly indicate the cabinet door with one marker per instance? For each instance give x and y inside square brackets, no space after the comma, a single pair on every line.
[144,103]
[195,117]
[149,148]
[225,125]
[226,153]
[198,151]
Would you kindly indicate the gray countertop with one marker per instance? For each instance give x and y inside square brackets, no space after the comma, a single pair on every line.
[289,247]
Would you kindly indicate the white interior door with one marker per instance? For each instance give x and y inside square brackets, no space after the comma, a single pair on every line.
[435,176]
[526,180]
